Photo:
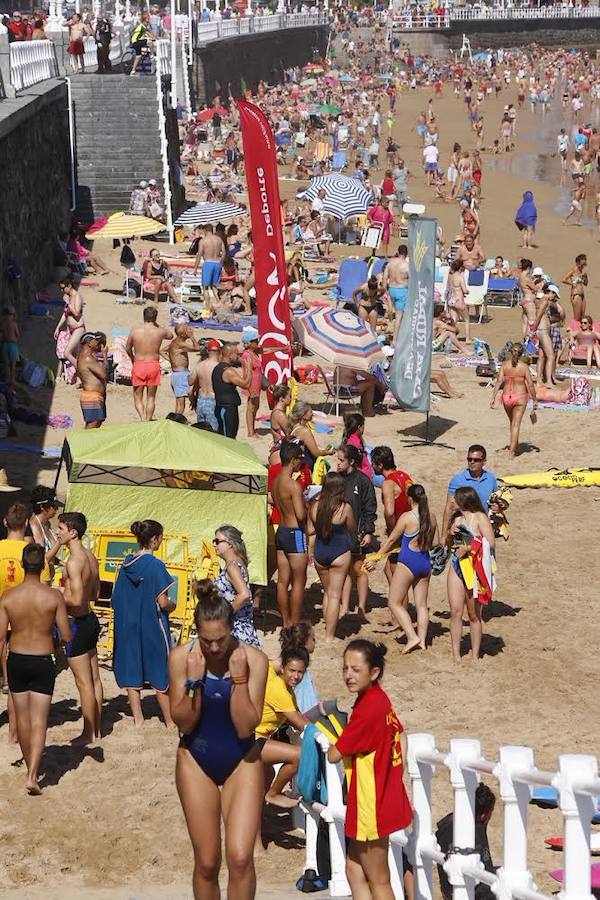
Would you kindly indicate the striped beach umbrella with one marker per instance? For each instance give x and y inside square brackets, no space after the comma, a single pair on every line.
[205,213]
[344,196]
[340,337]
[124,225]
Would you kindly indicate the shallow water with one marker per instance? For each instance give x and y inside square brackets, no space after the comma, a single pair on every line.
[544,166]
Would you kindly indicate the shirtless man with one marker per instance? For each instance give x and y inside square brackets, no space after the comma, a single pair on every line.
[395,282]
[211,252]
[471,254]
[82,587]
[30,611]
[290,539]
[202,395]
[183,343]
[143,348]
[92,373]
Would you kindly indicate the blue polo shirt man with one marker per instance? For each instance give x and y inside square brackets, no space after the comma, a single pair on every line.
[475,476]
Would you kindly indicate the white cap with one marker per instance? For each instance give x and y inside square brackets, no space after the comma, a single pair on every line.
[152,181]
[554,289]
[537,271]
[143,184]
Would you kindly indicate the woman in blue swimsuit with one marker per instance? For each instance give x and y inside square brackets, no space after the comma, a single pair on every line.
[418,530]
[217,690]
[334,527]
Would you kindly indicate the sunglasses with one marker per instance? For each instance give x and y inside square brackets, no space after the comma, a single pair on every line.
[476,459]
[217,541]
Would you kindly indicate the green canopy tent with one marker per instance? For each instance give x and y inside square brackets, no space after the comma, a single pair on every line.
[190,480]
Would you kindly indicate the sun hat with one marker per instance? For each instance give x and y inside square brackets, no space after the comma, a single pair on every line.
[553,288]
[143,184]
[4,485]
[152,181]
[249,335]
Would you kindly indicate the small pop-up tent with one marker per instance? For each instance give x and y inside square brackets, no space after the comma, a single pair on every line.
[189,480]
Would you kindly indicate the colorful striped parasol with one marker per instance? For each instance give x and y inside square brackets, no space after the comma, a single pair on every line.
[123,225]
[340,337]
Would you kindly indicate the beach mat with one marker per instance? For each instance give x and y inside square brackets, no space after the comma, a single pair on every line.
[559,874]
[546,796]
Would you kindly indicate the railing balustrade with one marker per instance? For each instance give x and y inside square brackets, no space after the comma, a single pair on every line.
[31,62]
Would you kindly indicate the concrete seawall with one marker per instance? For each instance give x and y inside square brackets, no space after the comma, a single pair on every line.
[244,60]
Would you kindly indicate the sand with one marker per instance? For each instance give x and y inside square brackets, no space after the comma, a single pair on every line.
[109,823]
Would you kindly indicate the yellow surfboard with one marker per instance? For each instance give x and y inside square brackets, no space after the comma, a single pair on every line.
[555,478]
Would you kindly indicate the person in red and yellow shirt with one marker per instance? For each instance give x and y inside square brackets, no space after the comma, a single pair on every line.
[377,802]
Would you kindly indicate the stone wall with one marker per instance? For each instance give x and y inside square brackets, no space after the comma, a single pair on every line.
[485,33]
[35,186]
[248,59]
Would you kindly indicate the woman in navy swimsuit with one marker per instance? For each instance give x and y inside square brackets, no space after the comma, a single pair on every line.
[217,689]
[334,526]
[419,532]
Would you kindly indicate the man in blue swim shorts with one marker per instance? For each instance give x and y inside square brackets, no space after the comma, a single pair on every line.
[211,252]
[290,539]
[182,344]
[395,282]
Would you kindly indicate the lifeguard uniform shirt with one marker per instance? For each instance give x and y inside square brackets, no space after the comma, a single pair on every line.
[377,801]
[404,481]
[11,567]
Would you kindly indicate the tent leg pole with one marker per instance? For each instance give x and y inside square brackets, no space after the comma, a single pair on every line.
[427,441]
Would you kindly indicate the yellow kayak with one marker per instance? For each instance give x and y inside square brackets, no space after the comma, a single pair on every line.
[555,478]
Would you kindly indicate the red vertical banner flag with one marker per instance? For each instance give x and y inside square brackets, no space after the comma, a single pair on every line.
[272,301]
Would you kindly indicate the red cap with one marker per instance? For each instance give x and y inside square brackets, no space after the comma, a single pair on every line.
[214,344]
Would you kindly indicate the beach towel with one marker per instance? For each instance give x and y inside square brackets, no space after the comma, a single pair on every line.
[311,779]
[478,570]
[526,214]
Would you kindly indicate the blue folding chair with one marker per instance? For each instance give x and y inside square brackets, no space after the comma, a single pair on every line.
[377,266]
[353,272]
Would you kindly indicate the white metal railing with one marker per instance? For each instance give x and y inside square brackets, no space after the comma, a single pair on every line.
[31,62]
[90,54]
[185,77]
[558,11]
[163,56]
[577,789]
[205,32]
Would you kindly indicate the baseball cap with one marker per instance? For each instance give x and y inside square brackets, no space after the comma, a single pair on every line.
[152,181]
[537,270]
[214,344]
[87,336]
[249,334]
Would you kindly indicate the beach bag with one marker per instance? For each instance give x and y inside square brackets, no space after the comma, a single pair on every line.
[127,257]
[33,374]
[439,557]
[155,210]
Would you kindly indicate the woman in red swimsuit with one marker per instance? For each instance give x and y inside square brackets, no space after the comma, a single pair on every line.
[517,387]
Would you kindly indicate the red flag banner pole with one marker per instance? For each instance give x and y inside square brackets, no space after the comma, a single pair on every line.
[272,301]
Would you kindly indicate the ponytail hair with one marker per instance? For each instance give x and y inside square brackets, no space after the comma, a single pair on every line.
[145,530]
[516,353]
[374,653]
[416,492]
[212,606]
[352,422]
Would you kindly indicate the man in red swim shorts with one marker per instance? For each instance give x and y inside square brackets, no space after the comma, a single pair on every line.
[143,346]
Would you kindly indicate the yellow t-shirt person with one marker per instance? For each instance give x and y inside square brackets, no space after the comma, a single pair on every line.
[279,700]
[11,567]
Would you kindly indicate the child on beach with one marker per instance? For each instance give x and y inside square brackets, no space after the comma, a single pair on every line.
[9,347]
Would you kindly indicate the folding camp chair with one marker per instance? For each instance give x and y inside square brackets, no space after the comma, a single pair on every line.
[339,161]
[336,392]
[353,272]
[502,292]
[477,282]
[376,266]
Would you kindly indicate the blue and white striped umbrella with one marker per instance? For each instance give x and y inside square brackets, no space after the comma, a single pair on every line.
[344,196]
[204,213]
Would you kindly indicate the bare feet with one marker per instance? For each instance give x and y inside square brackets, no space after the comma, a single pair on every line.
[82,741]
[282,801]
[33,788]
[412,645]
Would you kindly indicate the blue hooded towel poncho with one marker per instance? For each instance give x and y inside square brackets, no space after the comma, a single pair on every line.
[142,635]
[527,212]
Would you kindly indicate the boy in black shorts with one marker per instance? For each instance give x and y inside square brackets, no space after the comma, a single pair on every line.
[30,610]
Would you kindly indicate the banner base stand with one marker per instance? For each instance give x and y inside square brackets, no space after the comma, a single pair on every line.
[427,442]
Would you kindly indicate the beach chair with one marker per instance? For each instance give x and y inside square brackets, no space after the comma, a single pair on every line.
[477,282]
[353,272]
[339,161]
[322,152]
[376,266]
[502,292]
[336,393]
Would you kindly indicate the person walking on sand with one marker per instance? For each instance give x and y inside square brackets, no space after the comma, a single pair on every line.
[418,531]
[290,539]
[141,606]
[211,253]
[335,530]
[217,691]
[395,282]
[182,344]
[82,587]
[526,219]
[93,374]
[514,378]
[31,610]
[143,348]
[471,515]
[202,395]
[393,493]
[578,193]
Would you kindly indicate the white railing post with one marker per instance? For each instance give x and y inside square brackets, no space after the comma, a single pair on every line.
[577,809]
[333,814]
[515,796]
[118,19]
[464,784]
[423,838]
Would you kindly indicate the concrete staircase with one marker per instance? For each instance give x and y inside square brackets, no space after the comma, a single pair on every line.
[117,140]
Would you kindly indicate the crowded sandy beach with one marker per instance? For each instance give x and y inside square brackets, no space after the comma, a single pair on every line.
[388,581]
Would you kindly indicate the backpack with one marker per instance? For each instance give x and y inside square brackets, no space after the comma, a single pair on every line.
[34,374]
[127,257]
